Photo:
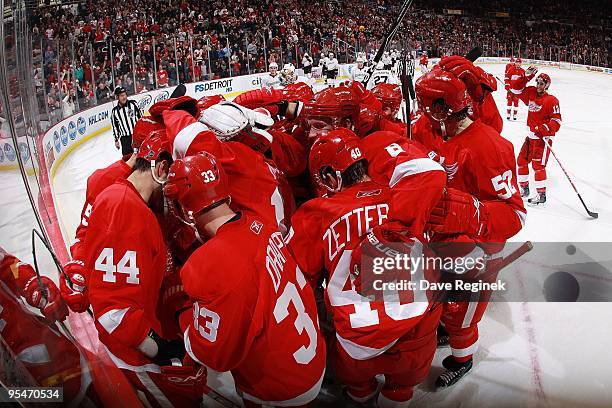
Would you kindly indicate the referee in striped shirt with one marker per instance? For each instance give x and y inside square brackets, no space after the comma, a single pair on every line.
[123,118]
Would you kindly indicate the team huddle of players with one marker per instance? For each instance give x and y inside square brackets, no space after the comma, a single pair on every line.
[232,240]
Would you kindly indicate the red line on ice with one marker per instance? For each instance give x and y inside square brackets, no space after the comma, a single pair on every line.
[536,370]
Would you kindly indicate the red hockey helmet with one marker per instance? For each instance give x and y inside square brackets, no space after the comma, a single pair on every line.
[367,122]
[197,182]
[337,149]
[332,108]
[440,94]
[390,96]
[154,145]
[143,128]
[206,102]
[545,78]
[298,91]
[518,60]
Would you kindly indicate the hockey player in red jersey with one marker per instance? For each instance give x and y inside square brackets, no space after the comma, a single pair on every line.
[482,200]
[378,108]
[253,312]
[126,255]
[390,96]
[323,228]
[257,185]
[45,353]
[479,84]
[390,332]
[75,292]
[515,80]
[331,108]
[424,62]
[543,121]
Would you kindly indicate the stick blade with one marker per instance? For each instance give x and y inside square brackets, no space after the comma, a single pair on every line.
[180,90]
[474,54]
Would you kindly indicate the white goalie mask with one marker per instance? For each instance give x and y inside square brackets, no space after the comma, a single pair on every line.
[228,119]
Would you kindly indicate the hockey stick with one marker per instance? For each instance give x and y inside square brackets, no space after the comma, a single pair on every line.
[220,399]
[442,295]
[592,214]
[58,265]
[516,254]
[407,91]
[388,37]
[474,54]
[180,90]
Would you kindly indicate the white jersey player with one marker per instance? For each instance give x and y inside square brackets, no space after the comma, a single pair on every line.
[273,79]
[332,68]
[359,72]
[363,56]
[307,64]
[395,55]
[387,61]
[381,75]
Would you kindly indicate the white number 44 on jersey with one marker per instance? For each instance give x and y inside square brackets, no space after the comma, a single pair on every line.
[127,265]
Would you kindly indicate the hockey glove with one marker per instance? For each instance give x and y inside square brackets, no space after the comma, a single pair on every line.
[185,103]
[47,299]
[542,131]
[161,351]
[75,292]
[458,213]
[258,98]
[531,71]
[467,72]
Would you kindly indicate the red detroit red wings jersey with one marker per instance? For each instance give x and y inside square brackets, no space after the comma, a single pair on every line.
[516,78]
[324,228]
[323,232]
[254,314]
[481,162]
[386,150]
[256,185]
[544,112]
[96,183]
[404,166]
[405,187]
[126,258]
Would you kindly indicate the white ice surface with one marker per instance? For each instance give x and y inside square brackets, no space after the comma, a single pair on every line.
[531,354]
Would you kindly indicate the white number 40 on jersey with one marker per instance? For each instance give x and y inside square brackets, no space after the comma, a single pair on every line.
[127,265]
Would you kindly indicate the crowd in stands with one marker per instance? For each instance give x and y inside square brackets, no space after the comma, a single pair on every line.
[89,48]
